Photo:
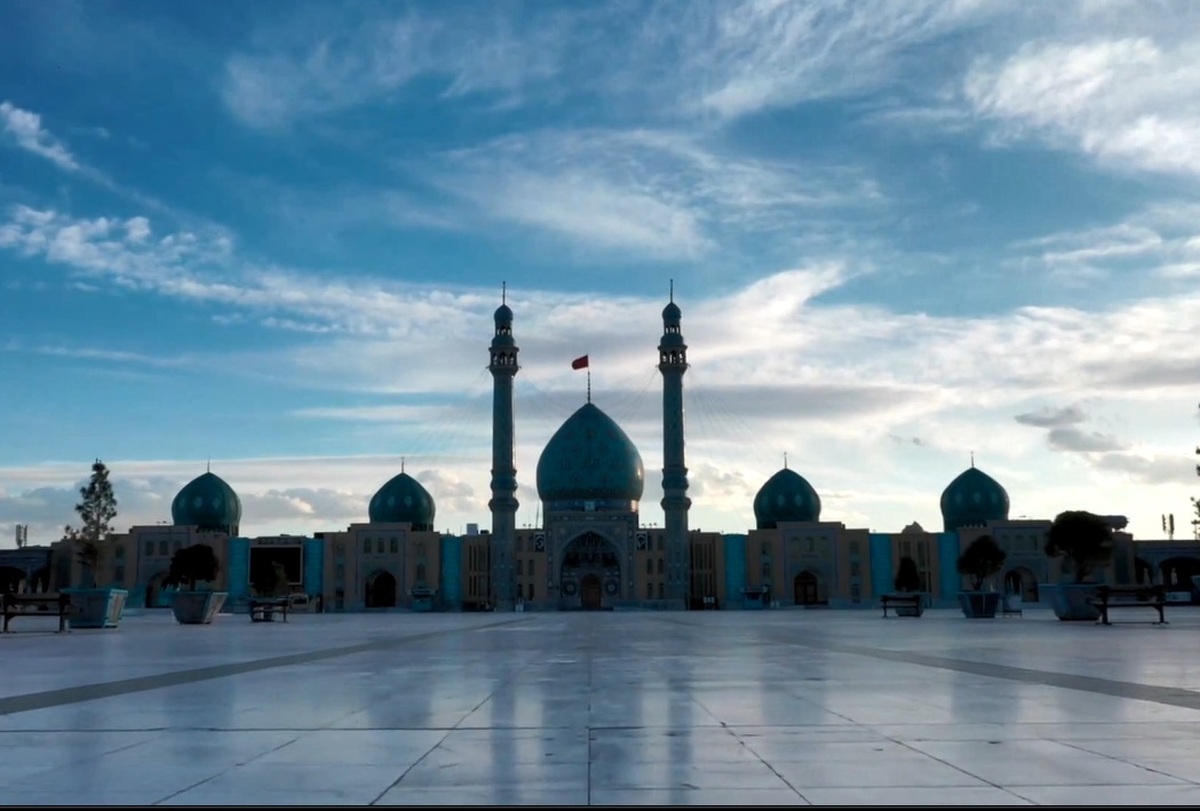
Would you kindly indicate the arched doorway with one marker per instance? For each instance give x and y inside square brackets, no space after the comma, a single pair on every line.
[155,593]
[591,572]
[1177,573]
[1143,572]
[1023,583]
[381,590]
[591,592]
[11,579]
[807,588]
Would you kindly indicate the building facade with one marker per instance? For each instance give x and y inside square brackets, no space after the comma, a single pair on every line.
[591,550]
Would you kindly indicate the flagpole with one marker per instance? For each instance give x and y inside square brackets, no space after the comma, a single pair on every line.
[589,383]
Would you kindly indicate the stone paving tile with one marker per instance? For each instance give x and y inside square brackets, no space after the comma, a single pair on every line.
[720,708]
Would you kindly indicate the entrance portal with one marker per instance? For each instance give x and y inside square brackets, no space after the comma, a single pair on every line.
[806,589]
[591,592]
[591,572]
[381,590]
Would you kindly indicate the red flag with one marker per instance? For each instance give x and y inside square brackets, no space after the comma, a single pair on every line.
[580,363]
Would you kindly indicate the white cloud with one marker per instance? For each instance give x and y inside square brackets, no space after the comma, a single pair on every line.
[1129,102]
[26,129]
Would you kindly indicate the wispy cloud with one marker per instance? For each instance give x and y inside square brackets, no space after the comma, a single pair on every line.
[304,71]
[653,193]
[739,58]
[25,128]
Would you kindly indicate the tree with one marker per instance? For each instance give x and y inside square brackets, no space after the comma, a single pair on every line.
[907,578]
[192,564]
[1083,539]
[982,559]
[96,511]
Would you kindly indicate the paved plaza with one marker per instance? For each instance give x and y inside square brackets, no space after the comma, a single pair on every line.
[787,707]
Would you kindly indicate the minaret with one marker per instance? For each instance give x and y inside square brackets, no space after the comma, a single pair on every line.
[503,504]
[672,362]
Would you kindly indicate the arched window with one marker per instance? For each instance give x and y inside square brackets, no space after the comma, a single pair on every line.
[367,545]
[531,591]
[162,548]
[379,545]
[395,545]
[520,567]
[649,565]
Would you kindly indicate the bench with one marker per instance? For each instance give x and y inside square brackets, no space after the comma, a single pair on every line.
[17,605]
[1128,596]
[905,605]
[264,609]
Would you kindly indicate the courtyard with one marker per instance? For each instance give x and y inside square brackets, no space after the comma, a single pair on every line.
[788,707]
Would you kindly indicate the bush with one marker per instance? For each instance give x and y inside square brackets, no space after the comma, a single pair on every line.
[191,565]
[907,578]
[1083,539]
[982,559]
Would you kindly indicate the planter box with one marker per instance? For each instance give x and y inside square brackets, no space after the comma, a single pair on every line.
[1070,601]
[96,608]
[197,607]
[979,604]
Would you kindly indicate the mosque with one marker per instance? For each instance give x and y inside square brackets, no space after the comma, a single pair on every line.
[591,550]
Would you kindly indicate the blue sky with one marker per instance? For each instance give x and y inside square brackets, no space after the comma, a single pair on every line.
[273,235]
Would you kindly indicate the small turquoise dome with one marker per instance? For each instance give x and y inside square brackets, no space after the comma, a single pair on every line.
[671,313]
[973,499]
[403,501]
[787,496]
[504,315]
[209,503]
[590,458]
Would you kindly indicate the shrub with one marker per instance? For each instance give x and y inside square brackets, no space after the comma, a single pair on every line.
[1083,539]
[982,559]
[191,565]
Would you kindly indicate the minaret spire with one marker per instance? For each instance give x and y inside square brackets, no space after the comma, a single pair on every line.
[672,363]
[503,504]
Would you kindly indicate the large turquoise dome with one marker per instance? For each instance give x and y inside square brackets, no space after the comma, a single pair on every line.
[403,501]
[209,503]
[589,459]
[973,499]
[787,496]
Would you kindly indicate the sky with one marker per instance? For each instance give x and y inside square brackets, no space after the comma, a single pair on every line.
[270,237]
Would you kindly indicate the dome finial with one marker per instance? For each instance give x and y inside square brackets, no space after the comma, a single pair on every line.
[401,464]
[785,460]
[672,291]
[504,292]
[972,458]
[208,465]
